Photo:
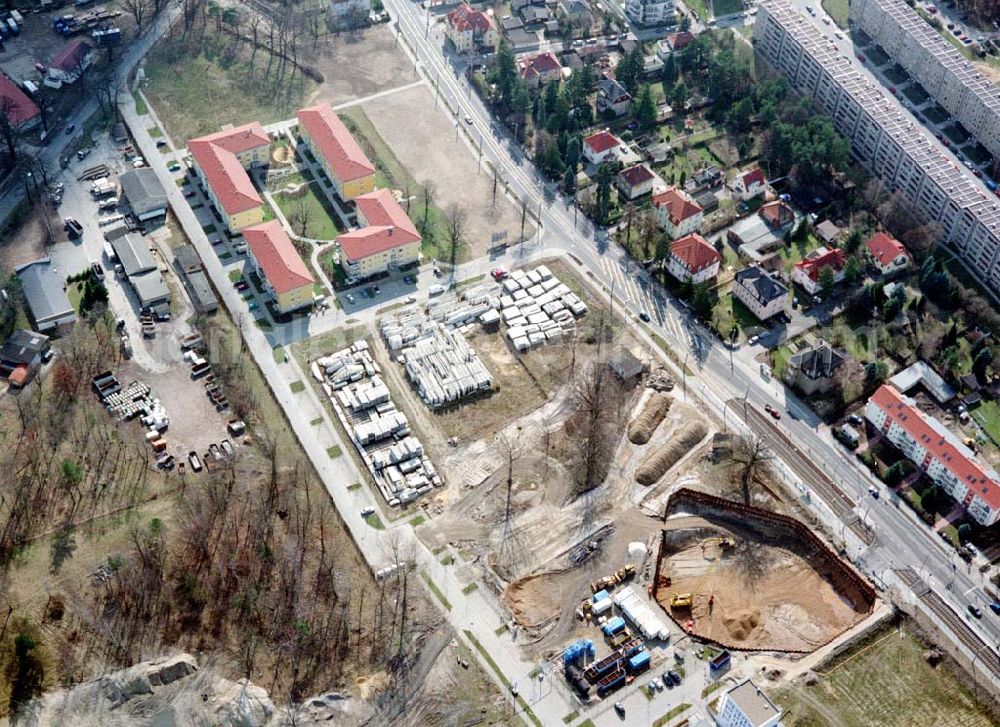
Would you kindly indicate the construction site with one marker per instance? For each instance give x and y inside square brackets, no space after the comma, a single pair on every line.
[749,579]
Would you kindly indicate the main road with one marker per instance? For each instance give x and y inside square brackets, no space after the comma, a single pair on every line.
[721,375]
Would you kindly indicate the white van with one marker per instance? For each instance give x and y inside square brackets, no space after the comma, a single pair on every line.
[435,290]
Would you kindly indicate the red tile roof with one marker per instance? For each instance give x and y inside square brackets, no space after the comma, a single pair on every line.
[885,248]
[388,226]
[334,143]
[754,176]
[681,40]
[464,18]
[636,175]
[776,213]
[71,56]
[821,258]
[277,257]
[216,157]
[537,65]
[695,252]
[17,107]
[600,141]
[946,449]
[679,206]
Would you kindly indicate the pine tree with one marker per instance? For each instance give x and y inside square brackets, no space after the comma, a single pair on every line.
[645,109]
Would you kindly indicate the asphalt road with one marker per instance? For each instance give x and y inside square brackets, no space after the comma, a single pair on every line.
[901,540]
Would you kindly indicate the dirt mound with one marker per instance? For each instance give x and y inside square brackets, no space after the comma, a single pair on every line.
[656,465]
[645,423]
[532,600]
[741,624]
[283,155]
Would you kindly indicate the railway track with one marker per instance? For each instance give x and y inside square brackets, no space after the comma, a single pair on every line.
[986,656]
[807,470]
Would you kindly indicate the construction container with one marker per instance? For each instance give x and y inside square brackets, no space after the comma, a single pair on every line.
[613,626]
[638,663]
[579,650]
[720,661]
[601,607]
[611,682]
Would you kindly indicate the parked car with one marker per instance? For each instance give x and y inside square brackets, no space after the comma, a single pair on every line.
[644,316]
[70,129]
[873,491]
[174,167]
[620,709]
[160,143]
[367,511]
[855,420]
[775,414]
[97,270]
[498,274]
[975,610]
[995,608]
[675,677]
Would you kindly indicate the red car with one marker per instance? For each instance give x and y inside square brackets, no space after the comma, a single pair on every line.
[861,58]
[892,90]
[775,414]
[499,274]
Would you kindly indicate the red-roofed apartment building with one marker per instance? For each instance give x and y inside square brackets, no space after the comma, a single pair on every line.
[539,70]
[677,214]
[693,258]
[937,452]
[16,106]
[470,29]
[887,253]
[386,239]
[343,161]
[807,270]
[749,184]
[275,258]
[635,181]
[600,147]
[71,62]
[221,161]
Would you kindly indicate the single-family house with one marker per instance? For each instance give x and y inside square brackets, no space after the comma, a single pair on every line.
[680,40]
[534,15]
[576,12]
[386,240]
[274,257]
[693,258]
[676,213]
[635,181]
[142,273]
[516,6]
[539,69]
[510,23]
[343,161]
[221,161]
[887,253]
[760,291]
[759,235]
[812,369]
[708,178]
[70,63]
[807,272]
[470,30]
[22,355]
[146,196]
[20,111]
[612,97]
[45,294]
[600,147]
[749,184]
[523,40]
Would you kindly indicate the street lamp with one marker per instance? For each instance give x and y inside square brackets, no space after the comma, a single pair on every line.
[684,374]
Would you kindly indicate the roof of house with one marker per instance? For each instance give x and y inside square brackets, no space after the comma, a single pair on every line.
[921,372]
[512,23]
[334,143]
[600,141]
[22,347]
[535,66]
[827,231]
[761,284]
[149,287]
[885,248]
[752,177]
[823,257]
[940,443]
[17,107]
[679,206]
[388,226]
[709,174]
[133,254]
[612,90]
[71,57]
[277,257]
[680,40]
[574,7]
[776,213]
[535,14]
[43,290]
[817,362]
[636,175]
[187,259]
[754,704]
[694,252]
[625,364]
[464,18]
[216,157]
[143,190]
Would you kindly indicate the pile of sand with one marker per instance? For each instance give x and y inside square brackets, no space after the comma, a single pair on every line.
[742,623]
[657,464]
[645,423]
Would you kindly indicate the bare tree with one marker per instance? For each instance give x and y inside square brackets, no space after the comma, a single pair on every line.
[455,223]
[11,130]
[138,9]
[301,216]
[510,445]
[750,459]
[428,191]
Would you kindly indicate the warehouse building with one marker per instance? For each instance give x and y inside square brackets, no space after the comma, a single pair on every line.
[140,269]
[146,197]
[202,295]
[45,293]
[883,137]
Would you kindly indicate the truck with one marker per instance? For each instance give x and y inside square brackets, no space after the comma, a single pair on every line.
[192,341]
[105,384]
[681,600]
[103,188]
[18,18]
[200,369]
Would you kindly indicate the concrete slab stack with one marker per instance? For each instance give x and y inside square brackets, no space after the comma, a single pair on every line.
[537,308]
[443,367]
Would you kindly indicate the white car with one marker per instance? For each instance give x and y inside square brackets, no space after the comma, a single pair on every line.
[840,36]
[752,340]
[365,512]
[468,119]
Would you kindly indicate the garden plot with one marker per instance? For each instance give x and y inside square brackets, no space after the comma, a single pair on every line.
[352,380]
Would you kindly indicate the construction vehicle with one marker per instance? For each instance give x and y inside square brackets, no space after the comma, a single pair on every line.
[608,583]
[681,600]
[619,639]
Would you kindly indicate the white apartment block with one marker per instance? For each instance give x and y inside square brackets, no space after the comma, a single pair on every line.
[651,12]
[883,137]
[956,84]
[937,452]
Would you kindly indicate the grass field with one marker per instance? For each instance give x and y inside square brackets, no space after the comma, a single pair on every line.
[196,87]
[726,7]
[988,416]
[309,213]
[886,683]
[837,10]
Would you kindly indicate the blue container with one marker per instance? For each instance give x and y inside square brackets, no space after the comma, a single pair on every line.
[600,596]
[613,626]
[639,662]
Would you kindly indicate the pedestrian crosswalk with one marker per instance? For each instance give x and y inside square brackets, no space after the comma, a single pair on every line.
[641,296]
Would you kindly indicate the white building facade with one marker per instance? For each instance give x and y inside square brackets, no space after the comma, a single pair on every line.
[651,12]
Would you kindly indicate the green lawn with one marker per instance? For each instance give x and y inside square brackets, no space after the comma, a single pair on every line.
[837,10]
[726,7]
[417,521]
[200,84]
[375,521]
[675,712]
[935,114]
[699,7]
[436,591]
[779,360]
[279,355]
[309,213]
[896,75]
[140,104]
[470,588]
[334,451]
[955,134]
[887,683]
[297,386]
[976,153]
[988,416]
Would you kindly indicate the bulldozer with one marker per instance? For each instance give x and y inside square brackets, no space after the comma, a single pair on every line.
[681,600]
[608,583]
